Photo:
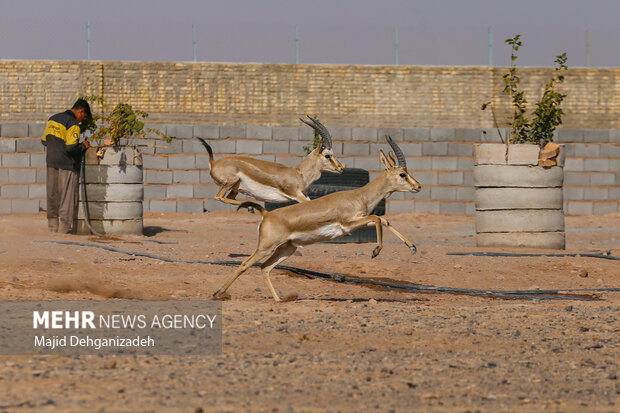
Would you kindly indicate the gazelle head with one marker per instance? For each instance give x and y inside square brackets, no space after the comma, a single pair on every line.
[323,153]
[397,174]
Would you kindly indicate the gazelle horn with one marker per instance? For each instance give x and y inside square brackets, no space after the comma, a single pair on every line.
[399,153]
[322,130]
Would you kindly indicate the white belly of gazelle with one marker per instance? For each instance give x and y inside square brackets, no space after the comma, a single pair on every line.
[261,192]
[324,233]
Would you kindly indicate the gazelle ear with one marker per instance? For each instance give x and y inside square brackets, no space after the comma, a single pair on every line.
[392,158]
[385,161]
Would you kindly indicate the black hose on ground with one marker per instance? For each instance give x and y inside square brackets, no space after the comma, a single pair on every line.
[83,191]
[510,254]
[346,279]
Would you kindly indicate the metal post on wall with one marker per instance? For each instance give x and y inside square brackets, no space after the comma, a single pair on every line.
[194,41]
[88,39]
[588,48]
[396,46]
[490,47]
[296,45]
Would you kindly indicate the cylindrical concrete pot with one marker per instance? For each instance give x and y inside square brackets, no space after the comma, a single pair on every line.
[518,204]
[114,192]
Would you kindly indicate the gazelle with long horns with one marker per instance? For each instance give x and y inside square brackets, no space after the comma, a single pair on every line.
[283,230]
[271,181]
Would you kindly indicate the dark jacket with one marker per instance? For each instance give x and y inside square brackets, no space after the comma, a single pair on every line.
[61,136]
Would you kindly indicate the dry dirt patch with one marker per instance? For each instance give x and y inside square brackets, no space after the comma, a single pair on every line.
[338,347]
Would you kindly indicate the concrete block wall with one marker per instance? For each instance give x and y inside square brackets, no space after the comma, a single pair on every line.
[22,168]
[176,175]
[233,94]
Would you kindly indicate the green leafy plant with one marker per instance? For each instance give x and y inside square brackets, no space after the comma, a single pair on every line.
[548,113]
[123,122]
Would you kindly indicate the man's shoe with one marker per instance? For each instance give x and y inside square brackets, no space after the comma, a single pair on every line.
[52,224]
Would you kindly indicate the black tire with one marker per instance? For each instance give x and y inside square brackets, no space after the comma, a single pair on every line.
[354,177]
[318,190]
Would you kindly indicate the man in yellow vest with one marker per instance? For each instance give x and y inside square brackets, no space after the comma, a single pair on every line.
[64,154]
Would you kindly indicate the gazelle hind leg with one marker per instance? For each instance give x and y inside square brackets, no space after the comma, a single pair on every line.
[399,235]
[230,198]
[253,259]
[281,253]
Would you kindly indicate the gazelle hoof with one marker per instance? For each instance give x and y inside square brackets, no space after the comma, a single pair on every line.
[289,297]
[221,296]
[375,252]
[413,249]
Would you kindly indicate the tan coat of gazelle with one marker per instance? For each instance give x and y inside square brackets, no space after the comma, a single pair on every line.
[271,181]
[283,230]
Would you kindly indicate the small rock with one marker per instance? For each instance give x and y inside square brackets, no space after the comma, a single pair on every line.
[500,277]
[198,410]
[548,154]
[180,293]
[568,308]
[458,266]
[583,273]
[109,364]
[534,287]
[372,301]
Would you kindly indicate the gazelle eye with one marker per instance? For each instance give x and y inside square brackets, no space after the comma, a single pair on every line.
[402,175]
[327,156]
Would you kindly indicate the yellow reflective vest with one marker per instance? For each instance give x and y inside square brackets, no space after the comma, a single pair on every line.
[61,137]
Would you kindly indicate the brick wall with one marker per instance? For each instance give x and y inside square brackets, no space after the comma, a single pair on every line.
[177,176]
[277,94]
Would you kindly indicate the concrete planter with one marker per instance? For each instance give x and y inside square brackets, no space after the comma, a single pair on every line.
[114,192]
[518,204]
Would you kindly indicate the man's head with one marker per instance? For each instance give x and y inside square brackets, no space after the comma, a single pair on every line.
[81,110]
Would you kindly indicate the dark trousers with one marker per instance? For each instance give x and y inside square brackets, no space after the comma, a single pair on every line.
[62,200]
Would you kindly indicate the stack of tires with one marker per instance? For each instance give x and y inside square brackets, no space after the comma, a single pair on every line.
[350,178]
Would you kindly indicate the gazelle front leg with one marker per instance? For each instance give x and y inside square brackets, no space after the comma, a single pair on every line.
[367,222]
[301,197]
[399,235]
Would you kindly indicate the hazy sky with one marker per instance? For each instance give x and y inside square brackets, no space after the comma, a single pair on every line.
[431,32]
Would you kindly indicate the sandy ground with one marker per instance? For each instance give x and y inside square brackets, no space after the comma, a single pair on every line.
[338,347]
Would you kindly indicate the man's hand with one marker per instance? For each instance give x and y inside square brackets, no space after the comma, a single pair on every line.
[86,144]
